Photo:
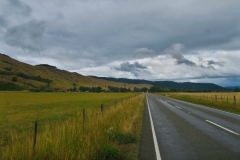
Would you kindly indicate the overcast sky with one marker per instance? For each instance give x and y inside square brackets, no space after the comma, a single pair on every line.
[184,41]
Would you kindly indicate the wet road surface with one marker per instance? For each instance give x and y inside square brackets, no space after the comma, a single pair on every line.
[188,131]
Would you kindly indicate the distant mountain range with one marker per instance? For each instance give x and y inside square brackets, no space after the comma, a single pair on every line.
[169,84]
[232,87]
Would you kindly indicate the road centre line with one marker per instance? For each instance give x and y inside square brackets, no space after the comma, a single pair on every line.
[171,105]
[154,134]
[178,107]
[222,127]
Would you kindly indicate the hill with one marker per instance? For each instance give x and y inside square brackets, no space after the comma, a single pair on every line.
[170,84]
[18,75]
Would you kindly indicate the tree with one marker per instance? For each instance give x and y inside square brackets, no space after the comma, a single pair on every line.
[74,89]
[14,79]
[99,89]
[173,90]
[236,90]
[144,89]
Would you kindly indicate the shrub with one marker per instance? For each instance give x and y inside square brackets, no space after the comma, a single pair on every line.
[109,153]
[120,137]
[14,79]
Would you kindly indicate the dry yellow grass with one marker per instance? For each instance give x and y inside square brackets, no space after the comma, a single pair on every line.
[228,101]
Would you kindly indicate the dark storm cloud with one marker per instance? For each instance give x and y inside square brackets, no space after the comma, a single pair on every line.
[134,68]
[20,7]
[26,36]
[93,33]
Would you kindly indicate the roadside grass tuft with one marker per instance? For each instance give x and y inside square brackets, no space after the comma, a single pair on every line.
[109,153]
[122,138]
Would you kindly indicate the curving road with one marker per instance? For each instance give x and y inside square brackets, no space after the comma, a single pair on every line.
[187,131]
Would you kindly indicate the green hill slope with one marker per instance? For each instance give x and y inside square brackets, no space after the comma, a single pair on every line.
[47,77]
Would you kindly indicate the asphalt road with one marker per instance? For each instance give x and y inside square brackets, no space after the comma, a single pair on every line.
[188,131]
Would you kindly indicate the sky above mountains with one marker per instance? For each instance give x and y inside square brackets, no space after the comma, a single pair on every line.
[183,41]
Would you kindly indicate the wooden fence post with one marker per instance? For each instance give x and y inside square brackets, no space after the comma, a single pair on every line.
[216,97]
[102,109]
[83,117]
[227,98]
[234,97]
[115,103]
[35,135]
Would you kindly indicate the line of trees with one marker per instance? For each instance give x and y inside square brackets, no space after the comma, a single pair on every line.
[37,78]
[10,87]
[110,89]
[236,90]
[90,89]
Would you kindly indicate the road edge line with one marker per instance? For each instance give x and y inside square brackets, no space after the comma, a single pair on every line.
[158,156]
[223,127]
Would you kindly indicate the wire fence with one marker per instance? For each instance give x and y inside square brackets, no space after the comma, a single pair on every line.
[234,99]
[37,126]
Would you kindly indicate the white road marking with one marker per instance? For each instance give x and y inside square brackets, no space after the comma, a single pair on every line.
[178,107]
[154,134]
[222,127]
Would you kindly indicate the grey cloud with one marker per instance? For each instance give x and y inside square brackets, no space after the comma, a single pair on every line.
[3,22]
[204,77]
[144,52]
[211,62]
[186,62]
[176,50]
[207,67]
[20,7]
[134,68]
[26,36]
[104,32]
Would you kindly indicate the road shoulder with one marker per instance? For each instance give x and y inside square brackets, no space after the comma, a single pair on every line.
[146,149]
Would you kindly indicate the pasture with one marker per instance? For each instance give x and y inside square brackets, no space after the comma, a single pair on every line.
[63,130]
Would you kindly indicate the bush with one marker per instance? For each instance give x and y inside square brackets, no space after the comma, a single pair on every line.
[109,153]
[14,79]
[120,137]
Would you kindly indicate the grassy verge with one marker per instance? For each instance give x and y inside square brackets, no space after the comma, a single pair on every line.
[208,100]
[113,133]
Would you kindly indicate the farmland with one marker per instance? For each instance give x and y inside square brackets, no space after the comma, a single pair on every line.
[227,101]
[63,131]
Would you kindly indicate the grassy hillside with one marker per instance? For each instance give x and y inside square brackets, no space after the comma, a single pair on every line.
[48,77]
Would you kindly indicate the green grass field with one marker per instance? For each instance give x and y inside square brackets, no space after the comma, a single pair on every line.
[18,110]
[59,116]
[219,100]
